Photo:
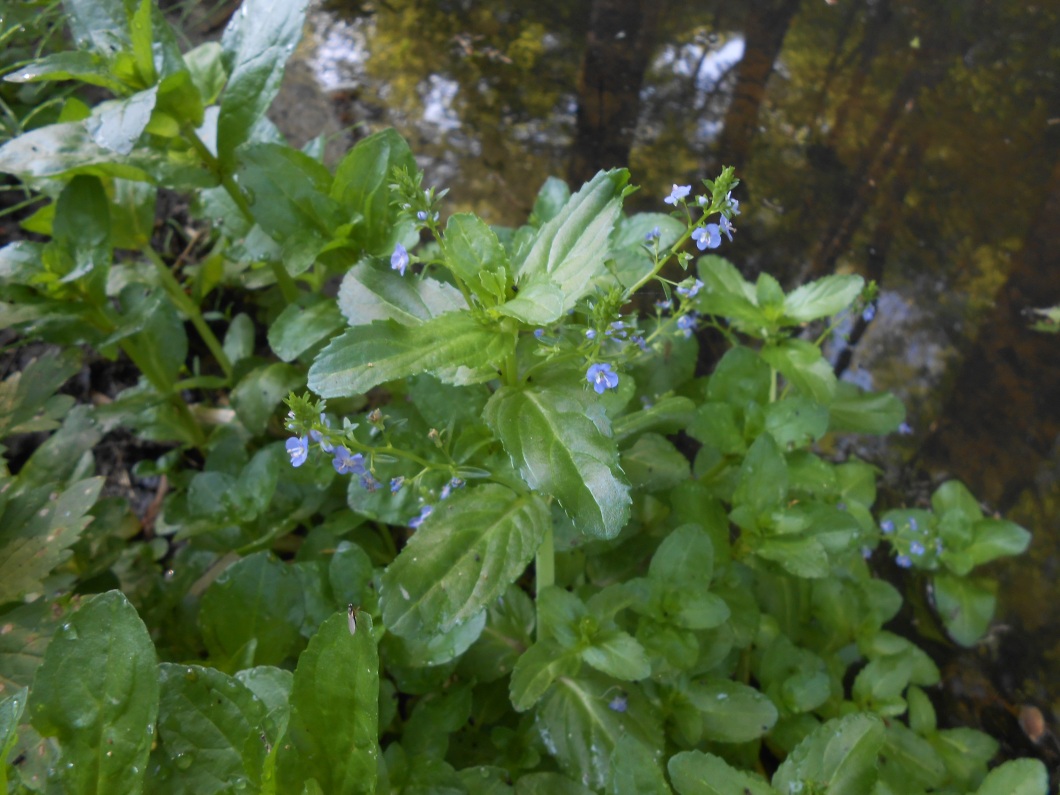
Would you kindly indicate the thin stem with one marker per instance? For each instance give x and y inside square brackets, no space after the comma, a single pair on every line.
[188,307]
[545,569]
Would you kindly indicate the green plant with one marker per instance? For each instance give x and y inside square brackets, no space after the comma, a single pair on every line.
[542,591]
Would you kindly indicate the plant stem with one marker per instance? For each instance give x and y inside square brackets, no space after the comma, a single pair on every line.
[188,307]
[545,569]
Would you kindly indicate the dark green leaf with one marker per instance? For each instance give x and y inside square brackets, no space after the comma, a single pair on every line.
[260,392]
[455,348]
[298,328]
[654,464]
[669,415]
[333,735]
[635,770]
[252,613]
[853,410]
[562,452]
[727,294]
[740,378]
[796,421]
[965,606]
[838,758]
[698,773]
[509,628]
[209,726]
[98,688]
[362,186]
[732,712]
[763,481]
[803,365]
[821,298]
[617,654]
[372,293]
[257,42]
[537,668]
[464,556]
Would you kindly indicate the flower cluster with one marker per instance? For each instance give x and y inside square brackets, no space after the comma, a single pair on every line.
[915,545]
[706,235]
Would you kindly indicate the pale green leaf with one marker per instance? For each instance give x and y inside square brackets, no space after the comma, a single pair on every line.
[698,773]
[370,293]
[821,298]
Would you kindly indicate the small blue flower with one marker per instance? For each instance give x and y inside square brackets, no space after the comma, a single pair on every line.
[619,703]
[590,334]
[887,527]
[687,323]
[416,521]
[905,429]
[298,450]
[679,192]
[913,525]
[725,225]
[346,463]
[539,333]
[368,482]
[708,236]
[399,260]
[639,340]
[916,549]
[447,489]
[422,215]
[866,553]
[601,377]
[869,313]
[903,561]
[317,436]
[690,292]
[664,306]
[652,235]
[617,330]
[395,483]
[734,204]
[703,200]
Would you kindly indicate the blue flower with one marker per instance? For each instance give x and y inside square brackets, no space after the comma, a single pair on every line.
[422,215]
[663,306]
[913,525]
[708,236]
[679,192]
[687,323]
[652,235]
[617,330]
[601,377]
[399,260]
[298,450]
[395,483]
[725,225]
[869,313]
[905,429]
[690,292]
[734,204]
[903,561]
[539,333]
[368,482]
[416,521]
[619,703]
[447,489]
[887,526]
[346,463]
[317,436]
[640,342]
[590,334]
[916,549]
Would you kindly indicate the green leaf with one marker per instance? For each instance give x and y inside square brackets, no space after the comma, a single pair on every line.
[261,391]
[741,377]
[821,298]
[965,753]
[635,770]
[654,464]
[965,606]
[582,731]
[11,709]
[98,688]
[362,186]
[763,483]
[559,450]
[731,712]
[333,735]
[1016,777]
[257,42]
[668,415]
[472,249]
[554,194]
[537,668]
[854,410]
[209,726]
[698,773]
[727,294]
[838,758]
[99,25]
[206,69]
[37,532]
[996,538]
[24,394]
[370,293]
[82,228]
[802,556]
[299,328]
[509,627]
[287,192]
[251,614]
[617,654]
[455,348]
[538,303]
[908,761]
[685,557]
[796,421]
[463,557]
[117,125]
[803,365]
[87,67]
[572,248]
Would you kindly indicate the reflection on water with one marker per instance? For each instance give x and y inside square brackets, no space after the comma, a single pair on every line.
[914,143]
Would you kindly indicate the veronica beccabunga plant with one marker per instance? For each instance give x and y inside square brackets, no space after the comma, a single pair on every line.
[435,534]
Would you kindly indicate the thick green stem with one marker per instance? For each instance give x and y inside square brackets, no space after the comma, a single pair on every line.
[188,307]
[545,568]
